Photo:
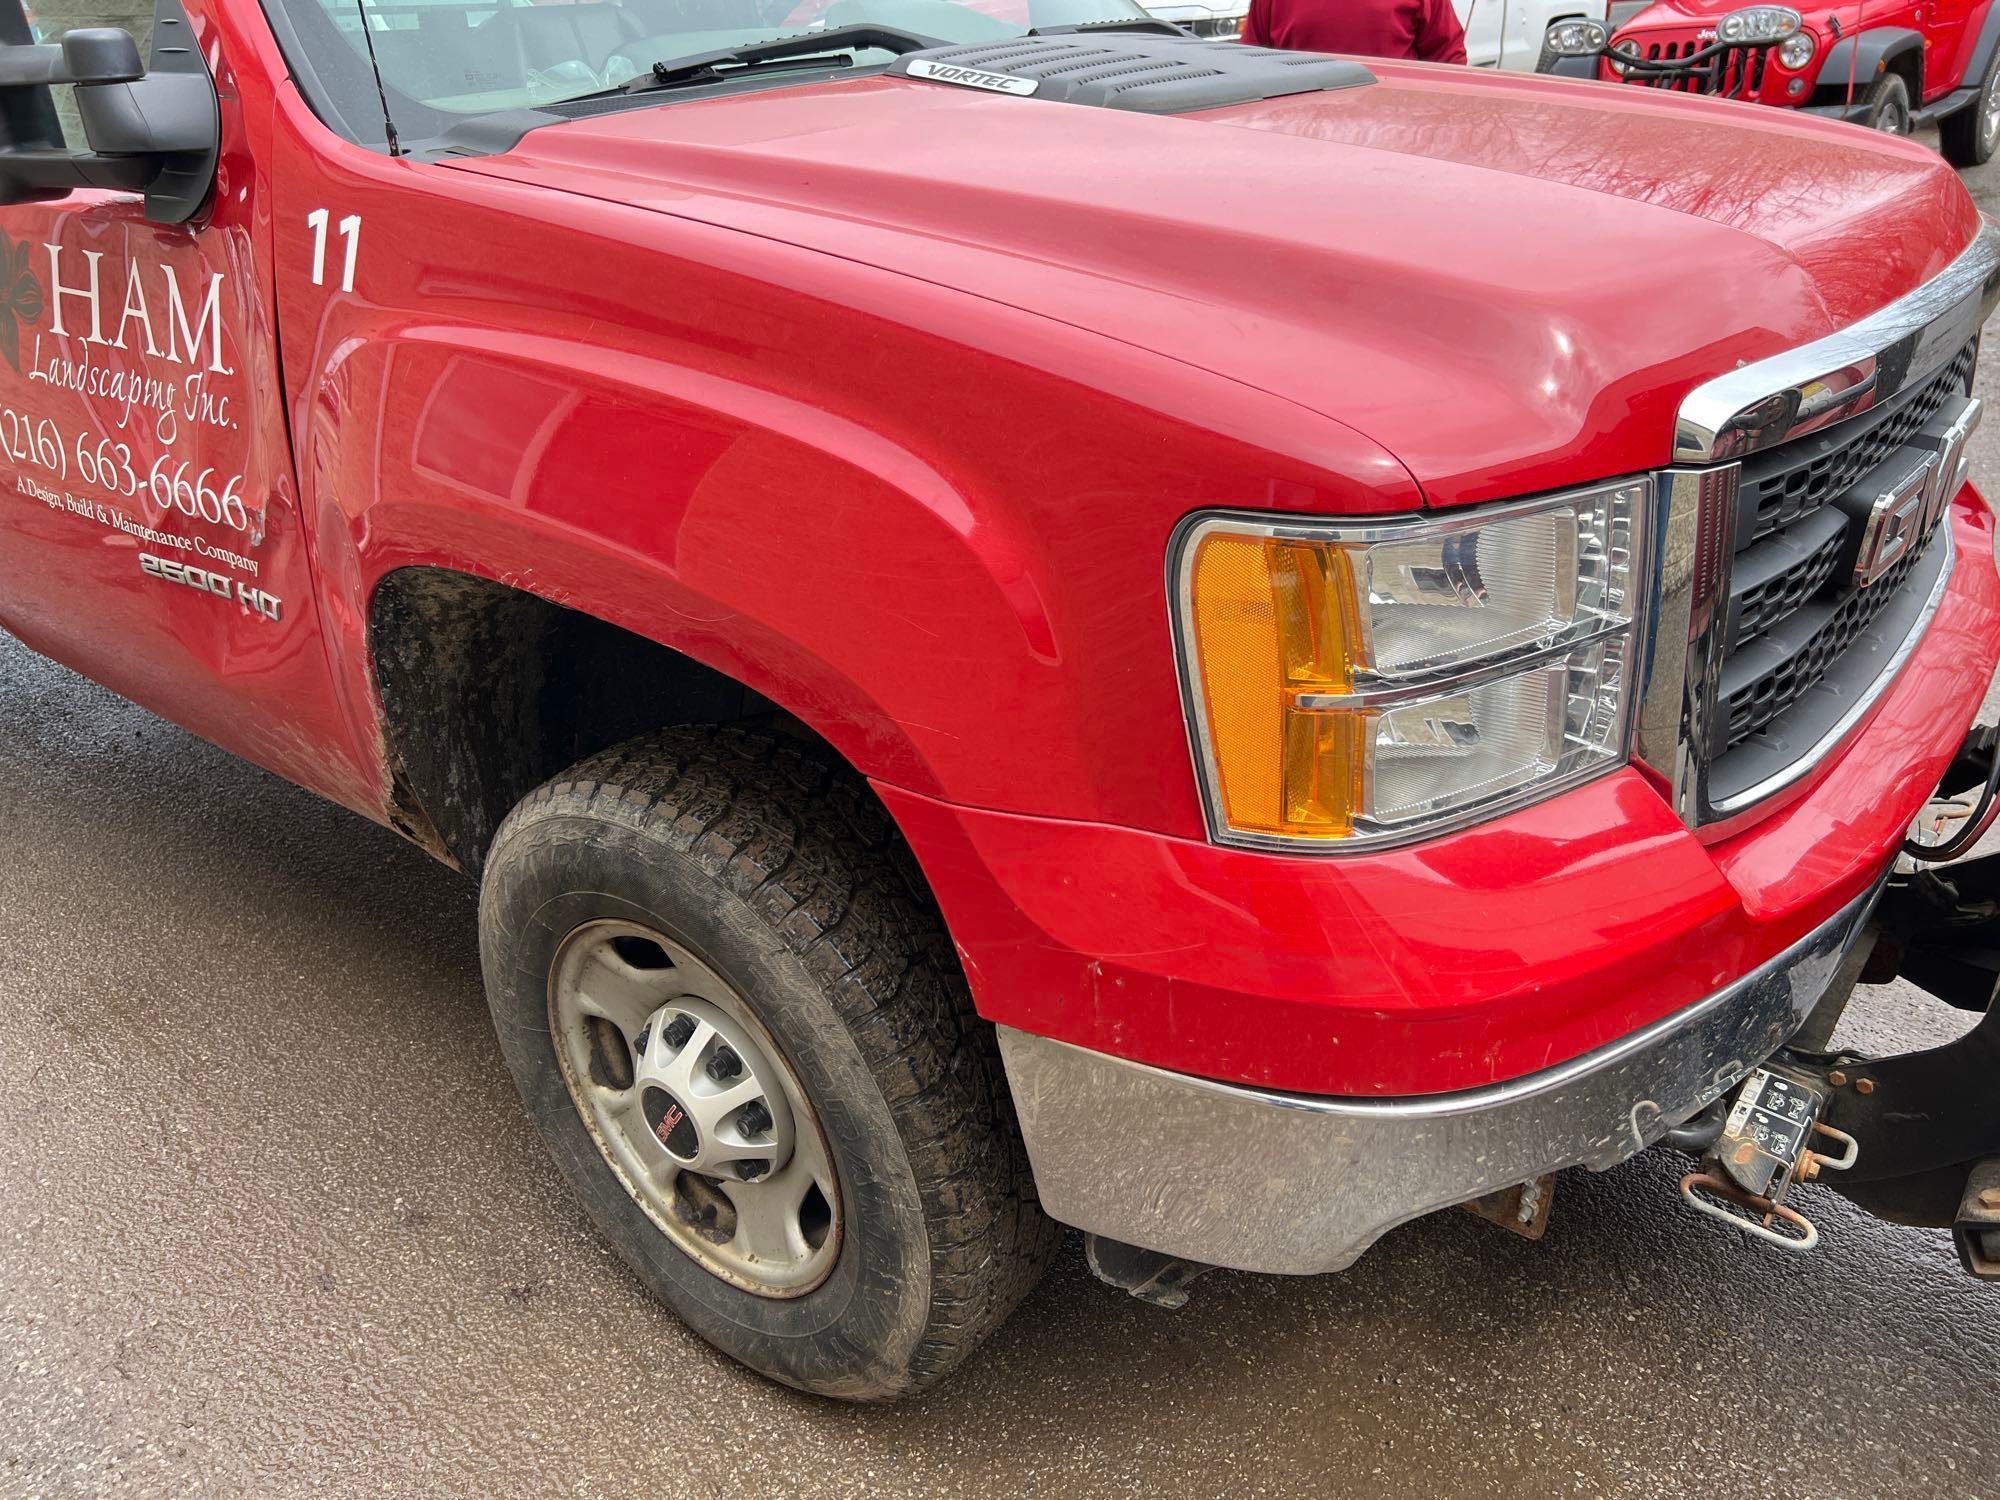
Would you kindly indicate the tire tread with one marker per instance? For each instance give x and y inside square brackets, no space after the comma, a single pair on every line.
[801,841]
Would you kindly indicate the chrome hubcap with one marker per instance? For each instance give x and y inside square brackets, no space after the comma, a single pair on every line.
[1989,111]
[694,1108]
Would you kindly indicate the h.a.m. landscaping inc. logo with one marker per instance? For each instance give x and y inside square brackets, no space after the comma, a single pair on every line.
[21,299]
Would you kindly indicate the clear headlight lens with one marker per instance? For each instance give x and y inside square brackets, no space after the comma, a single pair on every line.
[1798,50]
[1355,686]
[1576,38]
[1759,23]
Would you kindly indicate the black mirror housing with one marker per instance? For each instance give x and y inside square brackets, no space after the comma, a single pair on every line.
[152,129]
[101,54]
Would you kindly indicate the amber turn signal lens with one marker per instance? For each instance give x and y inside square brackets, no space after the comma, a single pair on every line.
[1275,621]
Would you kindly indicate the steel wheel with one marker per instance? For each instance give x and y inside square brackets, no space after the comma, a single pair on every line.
[694,1108]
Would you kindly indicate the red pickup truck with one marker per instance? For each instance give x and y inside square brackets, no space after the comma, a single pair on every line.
[1030,624]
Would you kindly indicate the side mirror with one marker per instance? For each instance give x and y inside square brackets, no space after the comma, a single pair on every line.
[153,129]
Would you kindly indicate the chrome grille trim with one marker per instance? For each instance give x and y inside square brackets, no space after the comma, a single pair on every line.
[1784,485]
[1726,731]
[1844,374]
[1694,524]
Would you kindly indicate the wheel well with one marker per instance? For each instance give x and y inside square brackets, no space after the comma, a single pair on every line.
[1904,58]
[487,691]
[1908,63]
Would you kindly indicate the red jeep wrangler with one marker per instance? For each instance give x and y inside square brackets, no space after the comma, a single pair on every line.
[1013,631]
[1890,64]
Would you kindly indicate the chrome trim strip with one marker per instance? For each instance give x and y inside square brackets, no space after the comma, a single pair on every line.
[1844,727]
[1815,385]
[1430,685]
[1694,544]
[1289,1183]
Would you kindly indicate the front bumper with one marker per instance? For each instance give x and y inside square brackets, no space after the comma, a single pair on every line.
[1294,1184]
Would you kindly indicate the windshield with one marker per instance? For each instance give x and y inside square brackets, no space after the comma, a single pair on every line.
[468,57]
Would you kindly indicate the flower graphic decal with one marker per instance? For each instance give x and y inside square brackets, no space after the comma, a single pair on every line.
[20,297]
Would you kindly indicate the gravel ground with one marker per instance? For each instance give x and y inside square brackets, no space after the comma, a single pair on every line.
[271,1224]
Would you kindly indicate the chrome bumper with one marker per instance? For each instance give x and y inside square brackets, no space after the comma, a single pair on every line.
[1292,1184]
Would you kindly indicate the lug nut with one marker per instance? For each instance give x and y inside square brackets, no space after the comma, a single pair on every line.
[755,1119]
[725,1065]
[750,1171]
[645,1036]
[678,1031]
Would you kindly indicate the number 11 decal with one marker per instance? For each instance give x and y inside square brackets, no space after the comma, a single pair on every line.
[350,231]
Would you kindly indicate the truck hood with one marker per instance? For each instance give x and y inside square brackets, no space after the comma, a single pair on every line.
[1507,282]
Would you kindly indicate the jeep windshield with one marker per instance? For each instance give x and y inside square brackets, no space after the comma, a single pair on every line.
[448,59]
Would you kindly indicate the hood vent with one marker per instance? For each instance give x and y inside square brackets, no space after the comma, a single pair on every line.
[1156,75]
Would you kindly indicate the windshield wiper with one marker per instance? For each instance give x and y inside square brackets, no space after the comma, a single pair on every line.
[732,62]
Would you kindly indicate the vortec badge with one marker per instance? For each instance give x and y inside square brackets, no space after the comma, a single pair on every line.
[971,78]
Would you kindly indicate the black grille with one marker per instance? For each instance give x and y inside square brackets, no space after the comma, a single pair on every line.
[1797,479]
[1736,73]
[1764,606]
[1795,611]
[1742,70]
[1756,704]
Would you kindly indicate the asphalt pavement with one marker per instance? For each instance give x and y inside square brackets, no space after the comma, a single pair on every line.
[271,1224]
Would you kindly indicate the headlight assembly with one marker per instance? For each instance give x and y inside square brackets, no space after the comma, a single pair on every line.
[1798,50]
[1759,24]
[1355,686]
[1576,38]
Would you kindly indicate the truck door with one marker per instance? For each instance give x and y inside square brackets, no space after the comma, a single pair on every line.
[148,531]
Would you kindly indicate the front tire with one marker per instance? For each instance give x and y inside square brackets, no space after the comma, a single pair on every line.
[1969,137]
[713,978]
[1888,106]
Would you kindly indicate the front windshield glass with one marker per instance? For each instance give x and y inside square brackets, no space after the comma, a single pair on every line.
[464,57]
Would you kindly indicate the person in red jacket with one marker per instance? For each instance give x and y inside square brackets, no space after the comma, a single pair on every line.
[1423,29]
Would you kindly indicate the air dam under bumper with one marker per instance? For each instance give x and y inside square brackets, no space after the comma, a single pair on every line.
[1293,1184]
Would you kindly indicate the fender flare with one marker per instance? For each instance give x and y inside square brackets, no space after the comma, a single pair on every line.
[1865,56]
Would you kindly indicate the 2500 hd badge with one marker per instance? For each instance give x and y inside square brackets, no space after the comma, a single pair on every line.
[220,585]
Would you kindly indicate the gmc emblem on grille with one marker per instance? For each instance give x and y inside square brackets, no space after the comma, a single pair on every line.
[1907,511]
[1897,520]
